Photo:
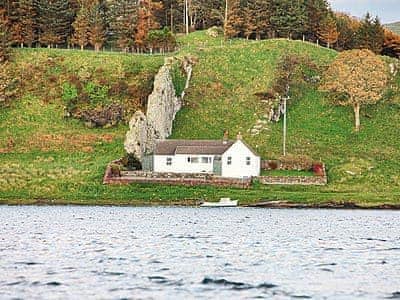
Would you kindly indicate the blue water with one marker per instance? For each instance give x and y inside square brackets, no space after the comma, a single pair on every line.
[186,253]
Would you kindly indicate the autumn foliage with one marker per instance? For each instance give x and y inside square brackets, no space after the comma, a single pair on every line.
[355,78]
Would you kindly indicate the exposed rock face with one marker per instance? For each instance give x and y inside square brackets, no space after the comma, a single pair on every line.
[136,138]
[162,106]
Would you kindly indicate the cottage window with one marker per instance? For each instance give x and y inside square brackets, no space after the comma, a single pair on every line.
[169,161]
[229,162]
[248,161]
[206,160]
[193,160]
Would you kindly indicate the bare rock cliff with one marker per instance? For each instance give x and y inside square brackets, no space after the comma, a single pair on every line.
[162,106]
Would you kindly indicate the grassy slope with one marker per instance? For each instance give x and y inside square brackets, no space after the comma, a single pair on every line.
[61,160]
[395,27]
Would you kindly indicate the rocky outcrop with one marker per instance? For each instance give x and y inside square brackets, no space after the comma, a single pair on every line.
[162,106]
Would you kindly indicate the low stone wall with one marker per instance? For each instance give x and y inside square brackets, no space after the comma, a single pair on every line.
[128,177]
[293,180]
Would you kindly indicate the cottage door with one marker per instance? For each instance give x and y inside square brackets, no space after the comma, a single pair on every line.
[217,165]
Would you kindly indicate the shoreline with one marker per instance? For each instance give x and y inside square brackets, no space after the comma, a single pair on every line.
[195,203]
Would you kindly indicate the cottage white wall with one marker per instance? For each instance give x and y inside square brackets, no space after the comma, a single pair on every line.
[180,164]
[239,169]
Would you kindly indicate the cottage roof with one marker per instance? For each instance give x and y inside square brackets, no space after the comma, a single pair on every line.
[194,147]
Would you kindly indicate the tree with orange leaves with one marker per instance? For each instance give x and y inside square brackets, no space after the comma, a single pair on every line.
[328,31]
[146,21]
[356,77]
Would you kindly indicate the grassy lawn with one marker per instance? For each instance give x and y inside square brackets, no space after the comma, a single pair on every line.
[45,158]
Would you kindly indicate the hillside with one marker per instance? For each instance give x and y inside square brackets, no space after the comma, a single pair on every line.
[54,158]
[395,27]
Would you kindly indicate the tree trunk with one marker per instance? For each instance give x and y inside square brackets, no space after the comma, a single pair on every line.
[357,115]
[81,47]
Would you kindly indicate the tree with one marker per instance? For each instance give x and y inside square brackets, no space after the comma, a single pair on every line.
[370,34]
[54,20]
[27,20]
[81,27]
[4,37]
[317,11]
[123,16]
[97,32]
[288,18]
[146,21]
[257,17]
[347,27]
[234,20]
[356,77]
[328,32]
[391,46]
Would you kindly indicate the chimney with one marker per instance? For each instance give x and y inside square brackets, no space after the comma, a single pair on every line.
[239,136]
[226,137]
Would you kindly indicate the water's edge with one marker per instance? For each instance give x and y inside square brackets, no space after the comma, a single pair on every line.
[195,203]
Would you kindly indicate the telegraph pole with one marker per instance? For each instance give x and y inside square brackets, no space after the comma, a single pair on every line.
[284,124]
[285,99]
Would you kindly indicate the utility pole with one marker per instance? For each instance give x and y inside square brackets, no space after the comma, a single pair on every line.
[187,16]
[226,17]
[285,99]
[284,124]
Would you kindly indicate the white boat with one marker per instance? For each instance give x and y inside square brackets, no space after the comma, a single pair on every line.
[223,202]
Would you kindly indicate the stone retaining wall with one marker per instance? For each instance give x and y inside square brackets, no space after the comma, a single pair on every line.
[295,180]
[128,177]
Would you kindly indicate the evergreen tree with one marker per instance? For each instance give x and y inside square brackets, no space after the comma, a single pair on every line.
[4,36]
[317,11]
[257,16]
[123,20]
[27,16]
[54,18]
[347,27]
[370,34]
[288,18]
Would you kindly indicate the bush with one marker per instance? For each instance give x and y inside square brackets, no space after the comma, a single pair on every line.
[69,96]
[115,170]
[178,79]
[272,164]
[96,93]
[318,169]
[130,162]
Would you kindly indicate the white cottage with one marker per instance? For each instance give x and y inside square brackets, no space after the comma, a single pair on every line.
[226,158]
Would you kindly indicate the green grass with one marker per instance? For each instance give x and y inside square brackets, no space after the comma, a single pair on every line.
[57,160]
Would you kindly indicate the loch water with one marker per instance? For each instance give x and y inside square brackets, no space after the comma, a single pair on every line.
[73,252]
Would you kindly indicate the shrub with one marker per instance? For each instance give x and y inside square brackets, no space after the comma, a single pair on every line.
[178,79]
[272,164]
[96,93]
[115,170]
[69,96]
[318,169]
[130,162]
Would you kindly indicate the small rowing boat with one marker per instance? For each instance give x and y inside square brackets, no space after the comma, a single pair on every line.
[223,202]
